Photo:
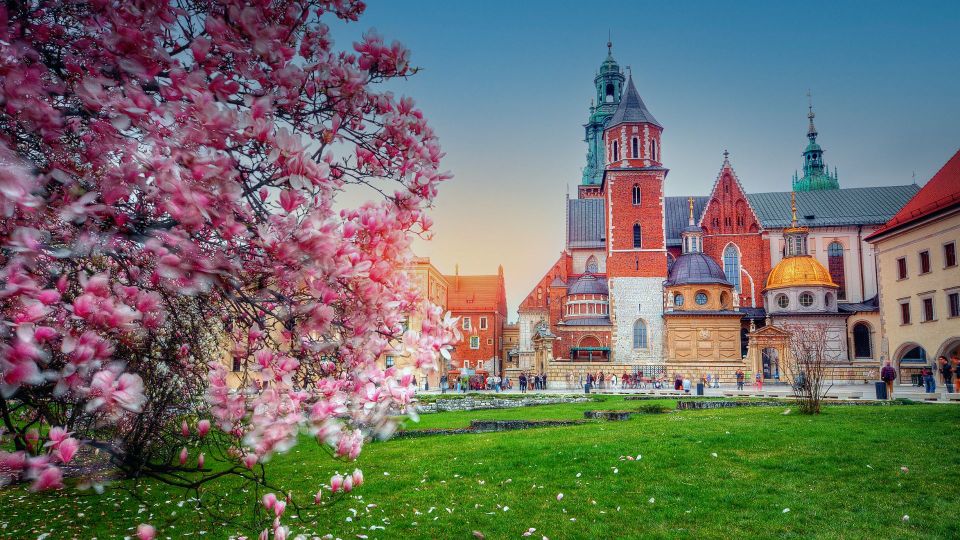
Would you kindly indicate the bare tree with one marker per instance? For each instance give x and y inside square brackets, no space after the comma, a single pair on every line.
[806,367]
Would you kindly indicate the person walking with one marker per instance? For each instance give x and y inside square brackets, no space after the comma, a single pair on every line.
[523,383]
[759,380]
[956,373]
[739,379]
[946,371]
[929,383]
[888,375]
[686,384]
[443,383]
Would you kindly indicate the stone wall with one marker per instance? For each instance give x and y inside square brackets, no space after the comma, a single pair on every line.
[471,403]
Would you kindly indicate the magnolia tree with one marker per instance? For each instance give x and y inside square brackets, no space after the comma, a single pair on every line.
[169,175]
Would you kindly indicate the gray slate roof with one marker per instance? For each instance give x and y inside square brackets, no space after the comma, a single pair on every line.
[871,304]
[832,207]
[631,109]
[589,321]
[677,215]
[695,268]
[585,223]
[589,284]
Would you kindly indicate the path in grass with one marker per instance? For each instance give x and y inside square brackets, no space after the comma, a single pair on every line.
[838,474]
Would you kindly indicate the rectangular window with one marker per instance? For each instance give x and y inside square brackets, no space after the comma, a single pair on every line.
[483,323]
[924,262]
[389,361]
[466,323]
[953,300]
[489,341]
[905,312]
[902,268]
[466,364]
[949,254]
[927,309]
[236,364]
[474,342]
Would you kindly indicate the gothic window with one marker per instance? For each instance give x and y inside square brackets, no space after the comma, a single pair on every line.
[636,147]
[592,267]
[835,265]
[862,348]
[639,334]
[637,236]
[731,265]
[616,151]
[636,194]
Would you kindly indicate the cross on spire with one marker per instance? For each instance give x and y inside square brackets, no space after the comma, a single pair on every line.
[793,208]
[609,43]
[690,201]
[725,154]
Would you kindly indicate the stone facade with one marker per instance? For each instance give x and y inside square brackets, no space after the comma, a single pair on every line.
[632,299]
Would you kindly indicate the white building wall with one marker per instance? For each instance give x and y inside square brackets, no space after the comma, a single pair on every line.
[580,257]
[633,298]
[835,328]
[852,240]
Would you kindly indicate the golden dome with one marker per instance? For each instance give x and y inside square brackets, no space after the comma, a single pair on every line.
[802,270]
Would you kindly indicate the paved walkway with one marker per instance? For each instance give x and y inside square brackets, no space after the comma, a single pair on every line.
[838,391]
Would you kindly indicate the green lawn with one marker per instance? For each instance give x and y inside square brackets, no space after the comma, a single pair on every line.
[838,474]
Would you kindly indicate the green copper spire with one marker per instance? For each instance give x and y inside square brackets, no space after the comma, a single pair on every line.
[816,175]
[609,85]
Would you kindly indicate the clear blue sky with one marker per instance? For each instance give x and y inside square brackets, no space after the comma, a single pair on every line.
[507,85]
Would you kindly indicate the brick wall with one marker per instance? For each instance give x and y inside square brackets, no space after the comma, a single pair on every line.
[623,259]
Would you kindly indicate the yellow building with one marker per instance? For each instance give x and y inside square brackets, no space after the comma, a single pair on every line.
[434,286]
[701,320]
[919,277]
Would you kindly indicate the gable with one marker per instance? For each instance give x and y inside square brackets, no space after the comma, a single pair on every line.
[728,209]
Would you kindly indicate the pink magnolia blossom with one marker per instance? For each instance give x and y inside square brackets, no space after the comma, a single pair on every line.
[203,427]
[146,532]
[184,454]
[336,482]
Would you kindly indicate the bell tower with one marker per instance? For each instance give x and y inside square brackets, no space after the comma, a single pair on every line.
[609,86]
[632,188]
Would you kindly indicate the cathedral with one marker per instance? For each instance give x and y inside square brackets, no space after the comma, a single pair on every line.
[703,283]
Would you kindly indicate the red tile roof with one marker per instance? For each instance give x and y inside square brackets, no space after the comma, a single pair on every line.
[475,293]
[940,193]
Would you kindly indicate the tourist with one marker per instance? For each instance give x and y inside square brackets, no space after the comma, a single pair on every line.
[956,373]
[739,379]
[888,375]
[946,371]
[613,381]
[716,381]
[443,384]
[601,380]
[929,383]
[523,383]
[759,380]
[543,381]
[686,384]
[709,381]
[677,382]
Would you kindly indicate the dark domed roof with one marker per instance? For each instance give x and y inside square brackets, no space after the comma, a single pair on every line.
[696,268]
[589,284]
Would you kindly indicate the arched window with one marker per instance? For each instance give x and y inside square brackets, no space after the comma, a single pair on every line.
[835,264]
[731,265]
[724,300]
[592,266]
[636,147]
[639,334]
[862,348]
[610,91]
[616,151]
[637,236]
[636,194]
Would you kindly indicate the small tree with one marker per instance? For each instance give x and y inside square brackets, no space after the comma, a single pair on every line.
[806,367]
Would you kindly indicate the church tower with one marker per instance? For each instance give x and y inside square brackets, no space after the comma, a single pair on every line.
[636,248]
[816,175]
[609,86]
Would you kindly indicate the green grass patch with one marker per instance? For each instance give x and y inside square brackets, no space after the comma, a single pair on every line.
[838,474]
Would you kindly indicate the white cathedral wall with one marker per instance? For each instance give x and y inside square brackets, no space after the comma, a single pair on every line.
[855,249]
[580,257]
[635,298]
[835,327]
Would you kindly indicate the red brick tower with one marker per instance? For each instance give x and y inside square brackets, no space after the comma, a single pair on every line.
[636,244]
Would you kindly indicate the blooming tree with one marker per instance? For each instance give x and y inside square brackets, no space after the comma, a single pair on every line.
[169,176]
